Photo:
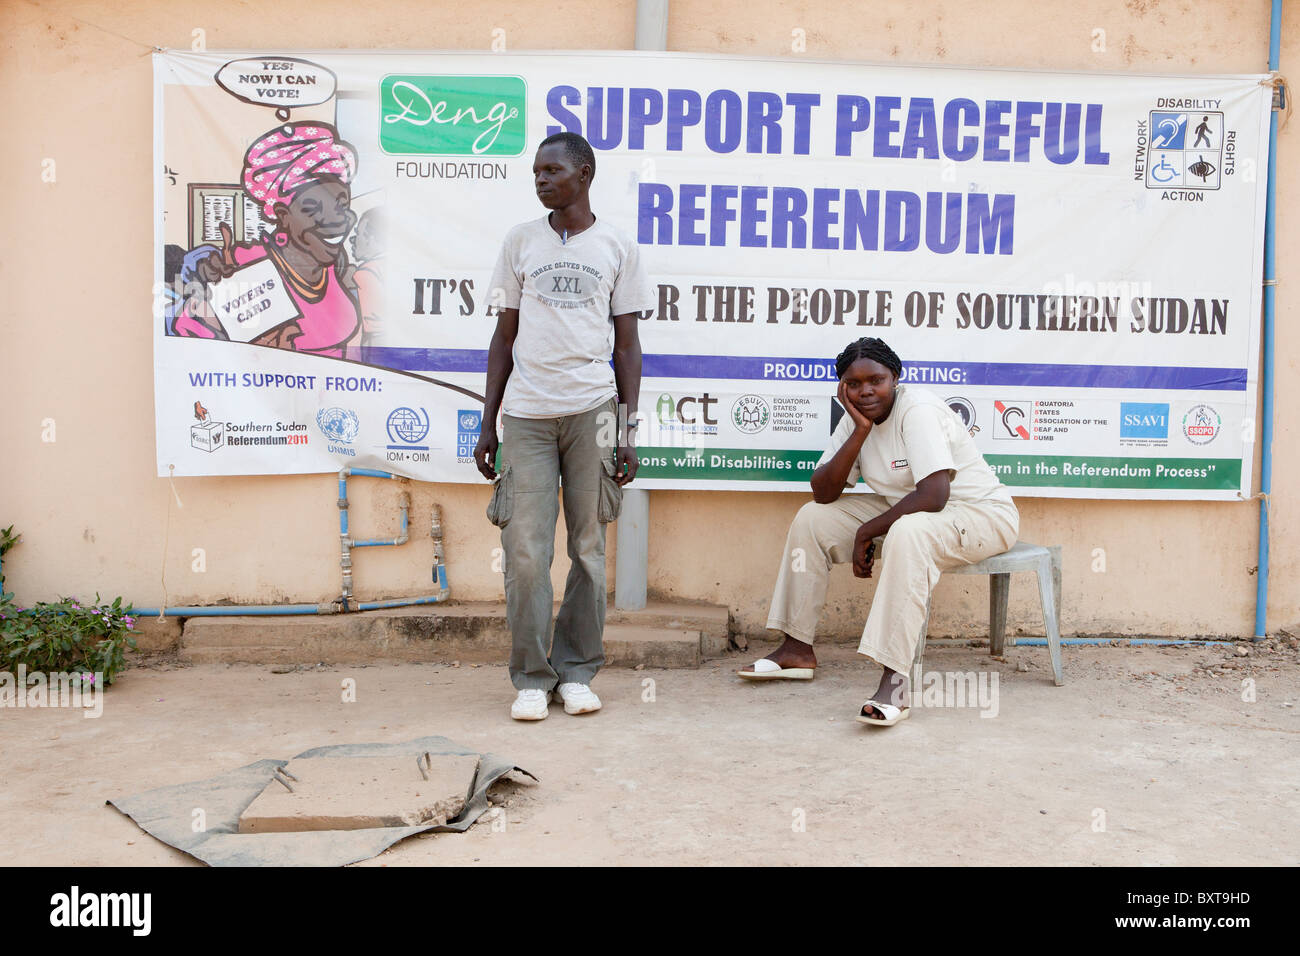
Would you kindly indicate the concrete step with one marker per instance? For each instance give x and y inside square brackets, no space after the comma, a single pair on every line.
[628,645]
[665,634]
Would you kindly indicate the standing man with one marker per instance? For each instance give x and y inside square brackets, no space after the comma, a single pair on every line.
[568,289]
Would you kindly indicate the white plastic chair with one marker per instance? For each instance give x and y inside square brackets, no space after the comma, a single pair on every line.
[1045,562]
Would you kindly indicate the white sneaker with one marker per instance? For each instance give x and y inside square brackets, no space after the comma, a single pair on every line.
[531,705]
[578,698]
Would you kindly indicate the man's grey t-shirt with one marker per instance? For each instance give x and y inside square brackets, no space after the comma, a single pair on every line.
[567,294]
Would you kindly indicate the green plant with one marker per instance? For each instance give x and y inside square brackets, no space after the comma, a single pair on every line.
[63,635]
[66,635]
[7,540]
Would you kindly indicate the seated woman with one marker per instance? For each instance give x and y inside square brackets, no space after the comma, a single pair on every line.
[935,497]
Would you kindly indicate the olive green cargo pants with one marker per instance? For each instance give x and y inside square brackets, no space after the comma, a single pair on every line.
[537,454]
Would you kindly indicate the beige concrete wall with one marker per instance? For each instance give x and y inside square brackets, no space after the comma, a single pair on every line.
[76,268]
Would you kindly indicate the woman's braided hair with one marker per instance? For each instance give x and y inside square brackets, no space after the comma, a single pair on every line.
[874,349]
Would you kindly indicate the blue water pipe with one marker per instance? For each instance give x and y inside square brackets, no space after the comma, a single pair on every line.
[236,610]
[345,601]
[1135,641]
[1266,373]
[404,602]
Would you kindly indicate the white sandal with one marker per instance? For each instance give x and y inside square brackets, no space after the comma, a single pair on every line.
[892,714]
[770,670]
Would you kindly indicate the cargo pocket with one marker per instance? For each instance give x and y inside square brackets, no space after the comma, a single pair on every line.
[611,495]
[502,505]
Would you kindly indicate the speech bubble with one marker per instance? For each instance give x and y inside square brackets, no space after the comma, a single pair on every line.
[280,82]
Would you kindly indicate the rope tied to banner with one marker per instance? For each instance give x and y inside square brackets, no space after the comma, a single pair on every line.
[1278,82]
[1261,496]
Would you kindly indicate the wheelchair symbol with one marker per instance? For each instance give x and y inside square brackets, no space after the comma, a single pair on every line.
[1163,166]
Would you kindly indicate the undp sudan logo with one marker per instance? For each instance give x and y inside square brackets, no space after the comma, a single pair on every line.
[452,115]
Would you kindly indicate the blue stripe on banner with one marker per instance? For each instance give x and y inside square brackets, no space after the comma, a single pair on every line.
[823,370]
[428,360]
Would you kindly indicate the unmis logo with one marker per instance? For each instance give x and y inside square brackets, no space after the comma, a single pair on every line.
[450,115]
[338,424]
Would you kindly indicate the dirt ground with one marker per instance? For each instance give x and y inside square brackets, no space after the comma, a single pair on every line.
[1146,756]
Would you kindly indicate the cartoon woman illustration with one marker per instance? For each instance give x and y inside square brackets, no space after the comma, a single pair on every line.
[299,173]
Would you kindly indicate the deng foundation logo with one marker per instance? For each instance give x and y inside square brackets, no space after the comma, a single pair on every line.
[750,414]
[1201,424]
[448,115]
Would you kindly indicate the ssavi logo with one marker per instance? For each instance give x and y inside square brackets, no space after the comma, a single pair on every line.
[448,115]
[1201,424]
[1144,420]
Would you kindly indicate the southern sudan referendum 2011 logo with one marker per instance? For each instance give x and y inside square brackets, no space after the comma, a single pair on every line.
[207,435]
[449,115]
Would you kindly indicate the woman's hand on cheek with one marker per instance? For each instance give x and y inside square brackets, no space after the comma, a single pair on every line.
[859,419]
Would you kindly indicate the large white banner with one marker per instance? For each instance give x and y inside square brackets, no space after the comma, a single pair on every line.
[1071,260]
